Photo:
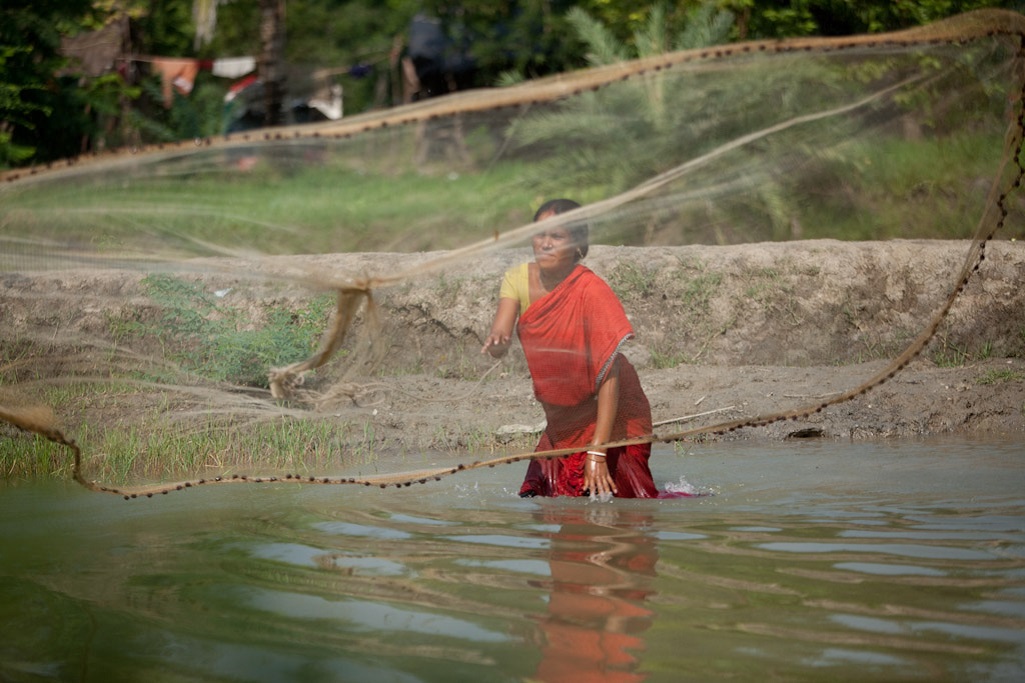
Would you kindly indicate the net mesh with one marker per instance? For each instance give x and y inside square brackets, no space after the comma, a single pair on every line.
[225,304]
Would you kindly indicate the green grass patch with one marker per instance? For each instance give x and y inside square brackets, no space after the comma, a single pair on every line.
[630,280]
[698,290]
[883,188]
[898,188]
[950,355]
[664,359]
[204,335]
[1000,376]
[28,456]
[154,450]
[317,207]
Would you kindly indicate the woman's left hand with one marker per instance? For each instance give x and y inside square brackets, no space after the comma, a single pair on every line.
[597,479]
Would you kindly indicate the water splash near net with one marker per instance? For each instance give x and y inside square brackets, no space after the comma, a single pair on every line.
[223,303]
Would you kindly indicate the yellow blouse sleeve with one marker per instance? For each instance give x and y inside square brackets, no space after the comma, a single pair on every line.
[516,285]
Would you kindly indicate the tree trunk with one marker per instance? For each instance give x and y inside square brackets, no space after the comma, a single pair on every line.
[271,66]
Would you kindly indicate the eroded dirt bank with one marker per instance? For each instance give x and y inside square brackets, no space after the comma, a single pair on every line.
[730,331]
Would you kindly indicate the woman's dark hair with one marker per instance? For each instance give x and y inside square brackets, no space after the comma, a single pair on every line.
[578,231]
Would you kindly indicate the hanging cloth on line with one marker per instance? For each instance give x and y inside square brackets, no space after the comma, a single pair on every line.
[175,74]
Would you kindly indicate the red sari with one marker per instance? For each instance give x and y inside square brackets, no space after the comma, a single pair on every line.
[571,338]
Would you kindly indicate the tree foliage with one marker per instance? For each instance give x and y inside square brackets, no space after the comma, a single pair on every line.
[526,37]
[612,119]
[789,18]
[30,90]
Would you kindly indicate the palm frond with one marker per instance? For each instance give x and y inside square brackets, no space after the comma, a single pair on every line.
[603,47]
[705,26]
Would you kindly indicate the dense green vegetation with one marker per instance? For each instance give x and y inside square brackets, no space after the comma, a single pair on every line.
[48,110]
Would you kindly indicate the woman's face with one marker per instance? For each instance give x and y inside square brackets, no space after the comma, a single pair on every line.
[554,249]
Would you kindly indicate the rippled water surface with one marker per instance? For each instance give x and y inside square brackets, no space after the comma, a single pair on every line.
[807,561]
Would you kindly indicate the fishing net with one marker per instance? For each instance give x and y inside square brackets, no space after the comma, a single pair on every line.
[260,302]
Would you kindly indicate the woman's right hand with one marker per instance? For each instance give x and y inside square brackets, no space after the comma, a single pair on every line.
[496,344]
[598,480]
[497,341]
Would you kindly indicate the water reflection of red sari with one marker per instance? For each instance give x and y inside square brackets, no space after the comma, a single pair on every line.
[572,339]
[601,576]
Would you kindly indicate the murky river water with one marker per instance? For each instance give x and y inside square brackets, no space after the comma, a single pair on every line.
[809,561]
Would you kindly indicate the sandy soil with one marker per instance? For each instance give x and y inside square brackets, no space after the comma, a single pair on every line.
[722,333]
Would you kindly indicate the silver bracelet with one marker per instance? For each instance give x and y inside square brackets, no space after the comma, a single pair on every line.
[598,453]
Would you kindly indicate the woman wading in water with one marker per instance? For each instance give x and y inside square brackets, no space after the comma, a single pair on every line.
[572,328]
